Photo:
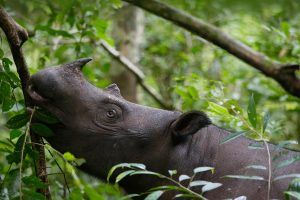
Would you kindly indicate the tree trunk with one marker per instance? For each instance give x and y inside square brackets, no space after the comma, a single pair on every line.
[127,33]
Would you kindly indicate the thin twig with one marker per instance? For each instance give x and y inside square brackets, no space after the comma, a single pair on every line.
[270,169]
[63,173]
[22,152]
[135,70]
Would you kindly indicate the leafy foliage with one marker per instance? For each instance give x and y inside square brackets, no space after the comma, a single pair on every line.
[187,71]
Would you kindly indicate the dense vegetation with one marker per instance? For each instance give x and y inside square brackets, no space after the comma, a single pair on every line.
[187,71]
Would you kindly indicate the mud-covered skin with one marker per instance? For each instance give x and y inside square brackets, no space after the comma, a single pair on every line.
[105,129]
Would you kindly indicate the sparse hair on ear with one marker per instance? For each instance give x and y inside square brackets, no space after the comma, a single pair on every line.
[189,123]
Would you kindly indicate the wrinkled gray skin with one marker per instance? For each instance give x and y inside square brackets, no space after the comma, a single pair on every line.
[105,129]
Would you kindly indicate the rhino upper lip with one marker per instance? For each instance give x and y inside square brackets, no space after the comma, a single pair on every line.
[35,94]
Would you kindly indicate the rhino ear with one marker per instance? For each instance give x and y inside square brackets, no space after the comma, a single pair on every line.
[189,123]
[113,89]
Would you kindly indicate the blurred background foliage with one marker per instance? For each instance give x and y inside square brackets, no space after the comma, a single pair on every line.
[187,72]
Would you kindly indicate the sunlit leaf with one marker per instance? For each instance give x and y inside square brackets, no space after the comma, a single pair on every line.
[210,186]
[220,110]
[125,165]
[15,134]
[256,167]
[183,177]
[154,195]
[69,156]
[172,172]
[287,176]
[252,111]
[198,183]
[146,173]
[203,169]
[123,175]
[190,196]
[266,121]
[258,178]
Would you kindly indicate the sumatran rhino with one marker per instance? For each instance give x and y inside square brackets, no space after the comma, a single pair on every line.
[105,129]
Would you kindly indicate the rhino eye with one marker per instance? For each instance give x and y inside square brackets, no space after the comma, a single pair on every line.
[111,113]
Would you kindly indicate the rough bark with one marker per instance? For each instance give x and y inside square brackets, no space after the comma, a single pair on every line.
[16,36]
[127,33]
[284,74]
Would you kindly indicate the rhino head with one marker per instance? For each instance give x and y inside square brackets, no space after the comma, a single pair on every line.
[102,127]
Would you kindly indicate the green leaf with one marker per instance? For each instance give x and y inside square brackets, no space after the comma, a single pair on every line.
[172,172]
[45,117]
[258,178]
[92,194]
[15,134]
[198,183]
[6,62]
[293,194]
[154,195]
[5,90]
[129,196]
[125,165]
[123,175]
[220,110]
[76,194]
[7,103]
[100,26]
[13,79]
[295,185]
[285,26]
[232,136]
[286,176]
[31,194]
[256,167]
[17,121]
[288,162]
[117,3]
[167,187]
[190,196]
[183,177]
[266,121]
[203,169]
[146,173]
[69,156]
[1,53]
[210,186]
[193,92]
[33,181]
[41,129]
[252,111]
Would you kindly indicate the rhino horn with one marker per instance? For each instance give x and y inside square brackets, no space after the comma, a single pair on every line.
[78,64]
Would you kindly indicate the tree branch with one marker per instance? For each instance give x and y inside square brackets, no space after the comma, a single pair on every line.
[136,71]
[16,36]
[268,67]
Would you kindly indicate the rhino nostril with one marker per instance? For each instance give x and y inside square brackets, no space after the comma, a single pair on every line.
[34,93]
